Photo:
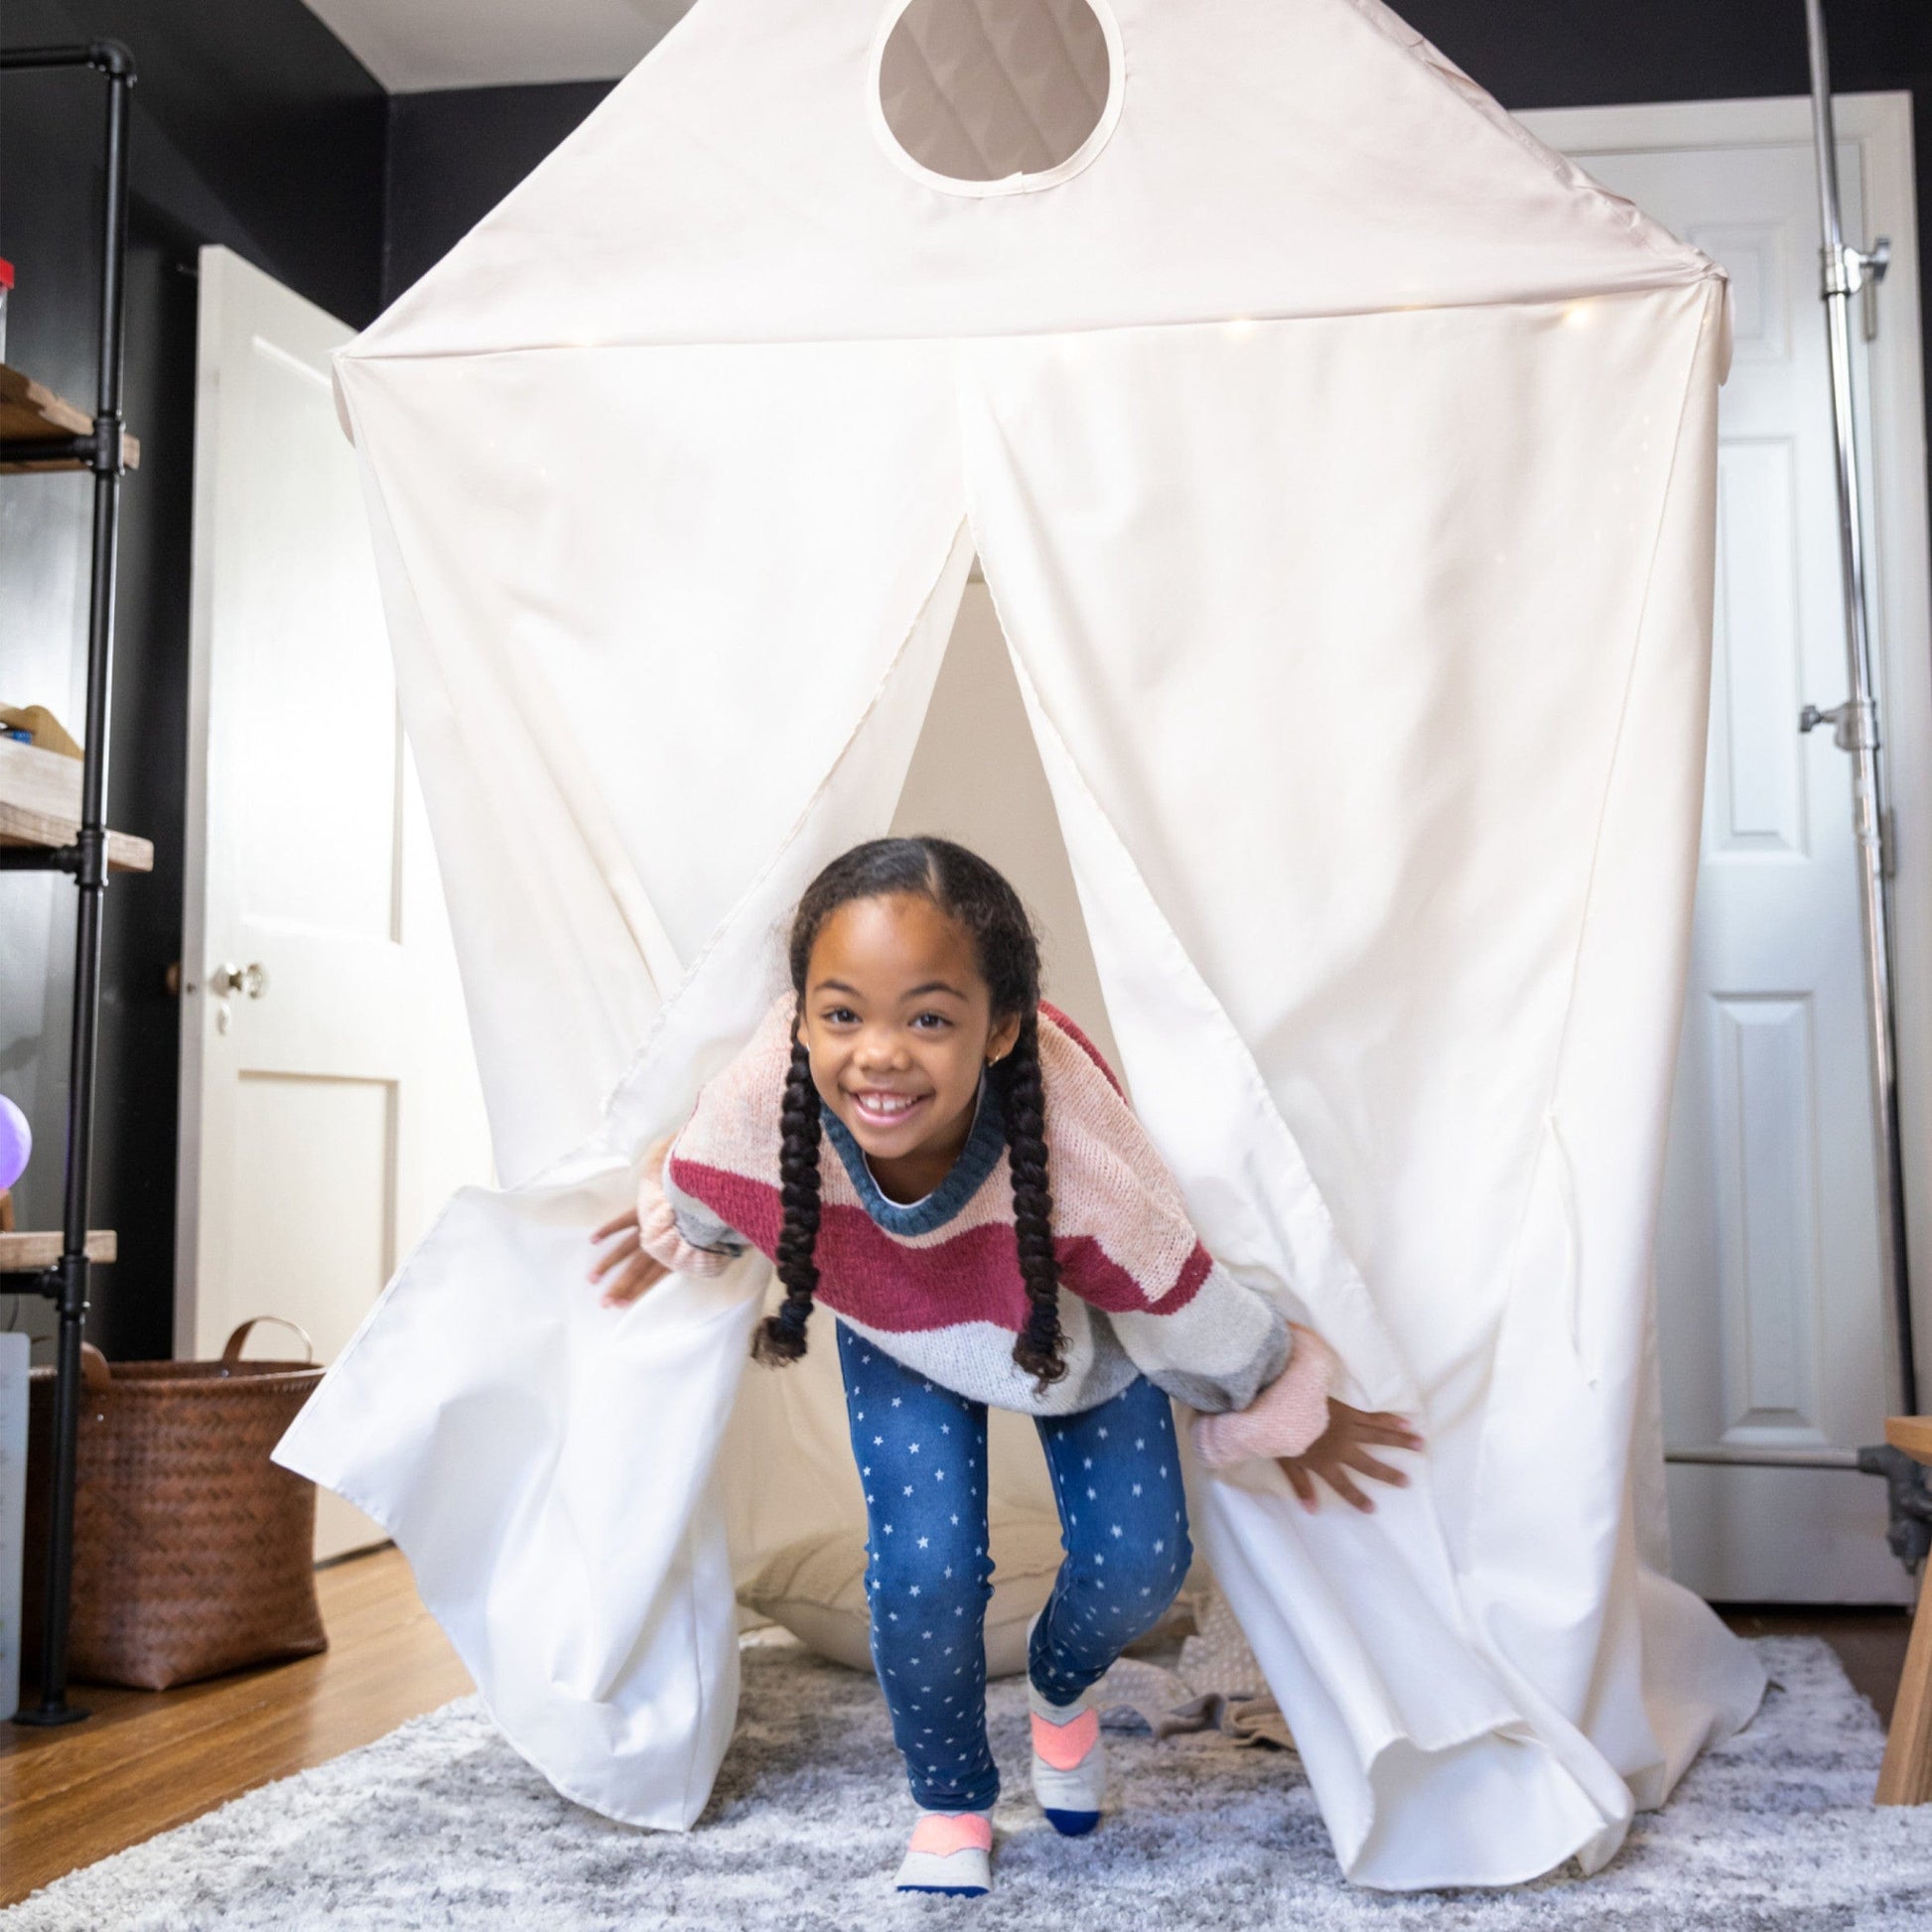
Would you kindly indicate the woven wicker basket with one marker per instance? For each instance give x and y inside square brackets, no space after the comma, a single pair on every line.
[193,1552]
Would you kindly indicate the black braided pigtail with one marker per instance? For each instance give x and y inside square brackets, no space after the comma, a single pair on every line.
[1041,1344]
[781,1337]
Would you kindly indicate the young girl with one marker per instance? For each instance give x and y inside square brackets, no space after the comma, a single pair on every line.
[982,1159]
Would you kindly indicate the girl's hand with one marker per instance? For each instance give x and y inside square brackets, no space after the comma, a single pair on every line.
[638,1272]
[1345,1446]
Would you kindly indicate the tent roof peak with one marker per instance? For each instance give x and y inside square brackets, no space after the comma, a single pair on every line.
[1261,159]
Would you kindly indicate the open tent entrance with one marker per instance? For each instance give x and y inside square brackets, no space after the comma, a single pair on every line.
[976,776]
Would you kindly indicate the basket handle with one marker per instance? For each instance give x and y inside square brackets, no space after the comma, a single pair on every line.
[231,1350]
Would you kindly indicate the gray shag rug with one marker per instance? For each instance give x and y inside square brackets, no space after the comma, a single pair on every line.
[441,1824]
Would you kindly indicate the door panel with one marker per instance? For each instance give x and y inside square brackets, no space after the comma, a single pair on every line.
[1770,1301]
[331,1104]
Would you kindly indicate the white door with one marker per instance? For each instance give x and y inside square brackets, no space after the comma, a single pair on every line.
[1770,1295]
[329,1102]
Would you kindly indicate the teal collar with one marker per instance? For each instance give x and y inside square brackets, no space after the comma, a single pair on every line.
[975,1161]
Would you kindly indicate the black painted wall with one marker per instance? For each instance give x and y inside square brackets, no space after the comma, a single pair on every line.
[251,126]
[452,155]
[1599,53]
[255,128]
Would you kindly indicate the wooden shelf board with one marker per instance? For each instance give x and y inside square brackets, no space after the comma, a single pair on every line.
[27,1252]
[20,825]
[1913,1435]
[40,805]
[30,411]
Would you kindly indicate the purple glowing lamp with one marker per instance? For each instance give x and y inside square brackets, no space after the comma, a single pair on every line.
[16,1142]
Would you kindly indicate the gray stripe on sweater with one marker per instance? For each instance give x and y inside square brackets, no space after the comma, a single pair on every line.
[1212,1394]
[696,1222]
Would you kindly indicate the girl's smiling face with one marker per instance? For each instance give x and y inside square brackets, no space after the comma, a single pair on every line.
[899,1024]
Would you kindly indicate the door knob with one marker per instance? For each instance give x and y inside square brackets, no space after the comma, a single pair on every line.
[252,979]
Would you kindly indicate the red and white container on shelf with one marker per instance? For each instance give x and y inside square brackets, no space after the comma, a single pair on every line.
[6,291]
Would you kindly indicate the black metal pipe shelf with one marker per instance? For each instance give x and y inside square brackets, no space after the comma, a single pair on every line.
[102,452]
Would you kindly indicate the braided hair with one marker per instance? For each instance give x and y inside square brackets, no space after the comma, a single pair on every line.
[965,888]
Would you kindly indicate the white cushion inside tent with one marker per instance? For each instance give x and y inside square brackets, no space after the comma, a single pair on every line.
[1342,462]
[815,1588]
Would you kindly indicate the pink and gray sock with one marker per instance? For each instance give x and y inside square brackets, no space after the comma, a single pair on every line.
[1069,1761]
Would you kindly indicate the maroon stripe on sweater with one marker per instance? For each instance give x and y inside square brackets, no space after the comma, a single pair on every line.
[973,1276]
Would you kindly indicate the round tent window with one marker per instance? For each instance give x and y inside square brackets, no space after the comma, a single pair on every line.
[995,96]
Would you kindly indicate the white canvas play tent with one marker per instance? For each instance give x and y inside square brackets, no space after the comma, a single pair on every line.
[1341,463]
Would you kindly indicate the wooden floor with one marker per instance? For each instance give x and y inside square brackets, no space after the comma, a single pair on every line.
[145,1761]
[1870,1644]
[149,1760]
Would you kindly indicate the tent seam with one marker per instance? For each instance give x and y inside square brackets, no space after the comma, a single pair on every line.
[1559,299]
[1610,779]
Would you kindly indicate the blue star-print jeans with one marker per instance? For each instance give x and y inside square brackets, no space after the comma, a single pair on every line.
[921,1452]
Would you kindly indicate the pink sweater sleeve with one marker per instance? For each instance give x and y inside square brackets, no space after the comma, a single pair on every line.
[1284,1419]
[657,1231]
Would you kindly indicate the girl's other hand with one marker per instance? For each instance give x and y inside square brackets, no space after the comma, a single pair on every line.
[1344,1445]
[635,1270]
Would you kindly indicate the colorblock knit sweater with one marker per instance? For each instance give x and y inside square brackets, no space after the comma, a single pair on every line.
[936,1283]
